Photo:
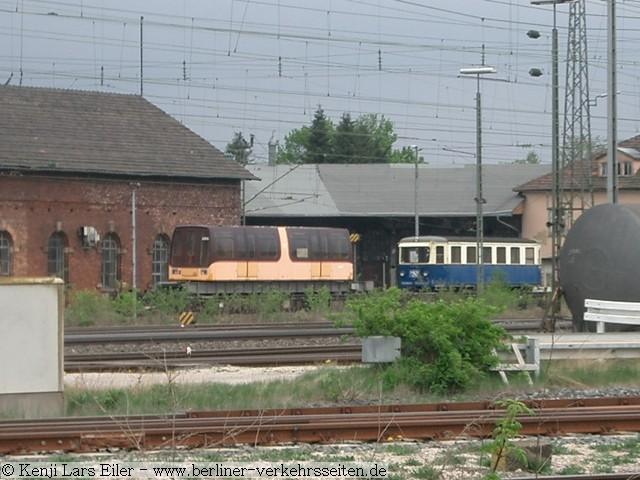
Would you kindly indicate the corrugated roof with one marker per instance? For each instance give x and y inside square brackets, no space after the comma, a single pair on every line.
[382,190]
[54,130]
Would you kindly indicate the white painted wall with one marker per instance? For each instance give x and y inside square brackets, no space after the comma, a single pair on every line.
[30,336]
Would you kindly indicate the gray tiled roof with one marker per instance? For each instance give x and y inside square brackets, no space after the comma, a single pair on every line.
[53,130]
[383,190]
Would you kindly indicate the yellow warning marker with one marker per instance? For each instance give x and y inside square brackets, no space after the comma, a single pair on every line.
[354,237]
[186,318]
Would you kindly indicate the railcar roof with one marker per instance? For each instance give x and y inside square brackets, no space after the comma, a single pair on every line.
[431,238]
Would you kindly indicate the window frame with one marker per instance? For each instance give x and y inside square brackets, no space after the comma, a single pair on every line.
[110,246]
[318,244]
[6,258]
[161,243]
[58,244]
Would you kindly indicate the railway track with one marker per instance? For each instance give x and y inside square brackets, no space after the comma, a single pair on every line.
[173,333]
[593,476]
[313,425]
[162,360]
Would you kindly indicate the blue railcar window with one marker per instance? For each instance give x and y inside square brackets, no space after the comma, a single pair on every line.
[471,255]
[529,255]
[515,255]
[456,254]
[501,254]
[486,255]
[440,254]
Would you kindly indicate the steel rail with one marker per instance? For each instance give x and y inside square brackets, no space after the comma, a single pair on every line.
[172,333]
[161,359]
[374,423]
[594,476]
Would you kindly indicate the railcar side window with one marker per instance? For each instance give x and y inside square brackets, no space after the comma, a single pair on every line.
[318,244]
[515,255]
[501,254]
[456,254]
[267,246]
[529,256]
[486,255]
[440,254]
[471,255]
[414,254]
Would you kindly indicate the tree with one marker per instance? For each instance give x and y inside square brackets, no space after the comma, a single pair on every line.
[531,159]
[319,148]
[240,148]
[345,144]
[375,138]
[405,155]
[294,149]
[367,139]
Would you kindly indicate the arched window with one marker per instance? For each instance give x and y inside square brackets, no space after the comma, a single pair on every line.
[57,265]
[6,253]
[160,259]
[110,276]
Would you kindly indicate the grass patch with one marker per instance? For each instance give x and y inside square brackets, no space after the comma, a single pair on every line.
[327,385]
[401,449]
[572,469]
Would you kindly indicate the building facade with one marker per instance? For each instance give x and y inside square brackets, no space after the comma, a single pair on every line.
[536,207]
[77,205]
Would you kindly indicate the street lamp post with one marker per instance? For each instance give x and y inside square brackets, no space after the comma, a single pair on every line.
[556,214]
[478,71]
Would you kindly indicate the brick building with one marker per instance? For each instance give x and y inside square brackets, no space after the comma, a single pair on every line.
[72,164]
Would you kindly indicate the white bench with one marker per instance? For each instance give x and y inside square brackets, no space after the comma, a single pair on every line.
[604,311]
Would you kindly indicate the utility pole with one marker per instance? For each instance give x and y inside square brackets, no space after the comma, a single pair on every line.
[612,163]
[141,59]
[416,219]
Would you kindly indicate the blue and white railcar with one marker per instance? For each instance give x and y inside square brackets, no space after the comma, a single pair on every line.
[435,262]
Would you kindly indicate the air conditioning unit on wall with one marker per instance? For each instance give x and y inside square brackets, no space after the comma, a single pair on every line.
[88,236]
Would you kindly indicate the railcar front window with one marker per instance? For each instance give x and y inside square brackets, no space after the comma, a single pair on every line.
[415,254]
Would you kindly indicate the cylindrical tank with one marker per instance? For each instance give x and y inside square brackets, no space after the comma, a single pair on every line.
[600,258]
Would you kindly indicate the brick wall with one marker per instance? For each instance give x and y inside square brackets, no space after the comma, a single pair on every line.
[32,207]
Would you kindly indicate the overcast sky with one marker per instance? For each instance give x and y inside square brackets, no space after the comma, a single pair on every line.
[262,67]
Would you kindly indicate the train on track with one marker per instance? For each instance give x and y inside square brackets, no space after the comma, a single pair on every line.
[245,259]
[430,262]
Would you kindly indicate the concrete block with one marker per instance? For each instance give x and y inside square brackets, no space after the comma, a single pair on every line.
[380,349]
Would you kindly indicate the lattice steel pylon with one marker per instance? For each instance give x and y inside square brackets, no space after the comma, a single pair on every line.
[576,180]
[574,188]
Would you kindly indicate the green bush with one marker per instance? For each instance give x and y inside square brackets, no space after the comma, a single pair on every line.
[168,301]
[88,307]
[445,345]
[318,301]
[270,302]
[125,303]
